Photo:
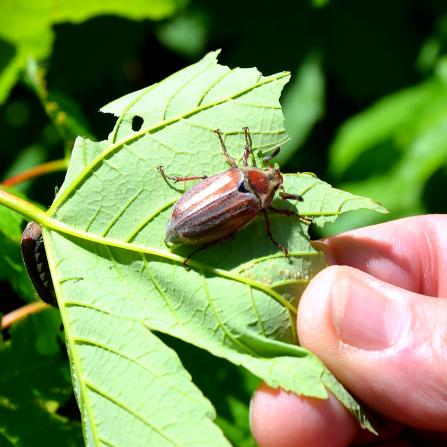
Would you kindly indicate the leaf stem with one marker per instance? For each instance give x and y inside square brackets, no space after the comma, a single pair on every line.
[36,171]
[32,212]
[22,312]
[23,207]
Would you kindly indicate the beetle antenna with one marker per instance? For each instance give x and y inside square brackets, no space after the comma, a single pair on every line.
[230,159]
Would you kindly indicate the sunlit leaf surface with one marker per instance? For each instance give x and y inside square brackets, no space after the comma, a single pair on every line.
[118,284]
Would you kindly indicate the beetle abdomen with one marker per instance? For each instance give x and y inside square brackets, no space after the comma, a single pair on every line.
[215,208]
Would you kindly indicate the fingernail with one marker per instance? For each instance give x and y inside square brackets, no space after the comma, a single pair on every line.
[364,317]
[323,245]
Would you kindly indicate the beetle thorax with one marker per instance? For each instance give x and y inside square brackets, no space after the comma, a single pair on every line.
[263,183]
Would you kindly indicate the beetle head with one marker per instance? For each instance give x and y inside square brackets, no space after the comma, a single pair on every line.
[275,178]
[264,183]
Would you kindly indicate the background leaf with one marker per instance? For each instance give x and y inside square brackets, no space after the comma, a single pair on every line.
[35,385]
[11,264]
[26,28]
[403,136]
[303,104]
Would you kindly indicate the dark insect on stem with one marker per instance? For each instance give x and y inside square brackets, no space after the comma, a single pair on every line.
[36,262]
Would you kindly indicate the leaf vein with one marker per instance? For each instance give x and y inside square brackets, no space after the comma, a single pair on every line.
[185,84]
[96,389]
[122,211]
[293,254]
[256,106]
[148,219]
[216,82]
[128,107]
[220,323]
[106,442]
[258,316]
[95,343]
[74,185]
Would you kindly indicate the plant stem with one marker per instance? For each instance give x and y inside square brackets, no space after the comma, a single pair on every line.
[22,312]
[30,211]
[36,171]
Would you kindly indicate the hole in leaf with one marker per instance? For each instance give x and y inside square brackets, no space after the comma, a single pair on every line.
[137,122]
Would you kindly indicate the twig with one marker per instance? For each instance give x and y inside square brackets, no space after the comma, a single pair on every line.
[36,171]
[21,313]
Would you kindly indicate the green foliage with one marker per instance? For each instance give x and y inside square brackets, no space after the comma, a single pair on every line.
[26,28]
[303,105]
[34,384]
[11,264]
[185,34]
[391,150]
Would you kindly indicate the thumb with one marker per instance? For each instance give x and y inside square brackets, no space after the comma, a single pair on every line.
[386,344]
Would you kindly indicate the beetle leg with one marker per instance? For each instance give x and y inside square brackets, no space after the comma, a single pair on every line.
[269,234]
[285,195]
[230,159]
[306,220]
[247,148]
[186,260]
[161,170]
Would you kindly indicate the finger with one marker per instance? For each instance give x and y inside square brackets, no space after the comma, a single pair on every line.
[386,344]
[410,253]
[281,419]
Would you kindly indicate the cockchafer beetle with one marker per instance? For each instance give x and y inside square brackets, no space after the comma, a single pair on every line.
[36,262]
[222,204]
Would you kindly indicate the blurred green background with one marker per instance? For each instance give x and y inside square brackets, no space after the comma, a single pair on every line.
[366,110]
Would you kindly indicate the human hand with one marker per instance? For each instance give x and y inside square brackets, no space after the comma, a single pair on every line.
[378,320]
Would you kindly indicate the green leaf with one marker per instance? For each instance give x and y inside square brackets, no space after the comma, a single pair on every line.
[118,284]
[63,111]
[319,4]
[237,429]
[11,264]
[186,34]
[26,27]
[391,150]
[34,384]
[229,390]
[303,105]
[399,117]
[69,11]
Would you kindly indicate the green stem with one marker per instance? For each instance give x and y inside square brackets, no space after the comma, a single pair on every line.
[32,212]
[27,209]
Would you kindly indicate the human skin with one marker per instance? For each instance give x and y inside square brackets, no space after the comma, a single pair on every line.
[377,317]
